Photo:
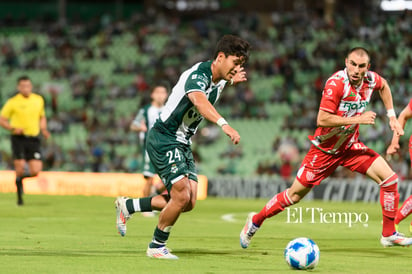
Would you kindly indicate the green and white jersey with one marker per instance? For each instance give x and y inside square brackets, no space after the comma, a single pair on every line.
[180,118]
[149,114]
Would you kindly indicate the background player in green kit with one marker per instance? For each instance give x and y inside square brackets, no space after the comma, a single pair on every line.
[143,122]
[168,142]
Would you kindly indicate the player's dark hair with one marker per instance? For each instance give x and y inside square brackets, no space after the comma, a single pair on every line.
[161,84]
[232,45]
[23,78]
[359,49]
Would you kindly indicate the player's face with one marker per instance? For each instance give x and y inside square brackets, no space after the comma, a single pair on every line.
[25,87]
[159,95]
[357,66]
[230,65]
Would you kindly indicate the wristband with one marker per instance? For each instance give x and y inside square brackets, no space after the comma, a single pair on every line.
[391,113]
[221,122]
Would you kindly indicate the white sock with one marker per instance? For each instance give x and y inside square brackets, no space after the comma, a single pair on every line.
[136,205]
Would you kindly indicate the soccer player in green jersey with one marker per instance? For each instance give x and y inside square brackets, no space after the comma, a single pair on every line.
[168,142]
[142,123]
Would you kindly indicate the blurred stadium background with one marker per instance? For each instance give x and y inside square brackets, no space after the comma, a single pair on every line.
[94,63]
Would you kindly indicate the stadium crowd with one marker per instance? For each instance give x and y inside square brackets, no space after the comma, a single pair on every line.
[299,49]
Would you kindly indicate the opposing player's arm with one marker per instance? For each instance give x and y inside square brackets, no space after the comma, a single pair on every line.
[404,116]
[327,119]
[208,111]
[386,96]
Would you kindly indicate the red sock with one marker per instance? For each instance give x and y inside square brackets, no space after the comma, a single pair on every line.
[404,211]
[274,206]
[389,199]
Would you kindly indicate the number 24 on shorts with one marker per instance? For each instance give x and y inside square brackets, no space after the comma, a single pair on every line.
[173,155]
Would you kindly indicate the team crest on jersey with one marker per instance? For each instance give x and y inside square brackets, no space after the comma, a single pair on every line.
[310,176]
[174,168]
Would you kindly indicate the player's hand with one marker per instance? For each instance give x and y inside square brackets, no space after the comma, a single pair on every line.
[240,76]
[143,126]
[45,133]
[232,133]
[17,131]
[395,126]
[367,118]
[392,149]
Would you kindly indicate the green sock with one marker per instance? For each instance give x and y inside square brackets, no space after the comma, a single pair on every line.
[146,204]
[129,206]
[139,205]
[159,238]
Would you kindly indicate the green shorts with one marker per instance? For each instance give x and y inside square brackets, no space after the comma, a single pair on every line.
[148,169]
[171,159]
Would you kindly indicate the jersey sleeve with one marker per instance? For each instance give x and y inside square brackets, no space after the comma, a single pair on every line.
[331,96]
[410,104]
[7,110]
[197,81]
[378,81]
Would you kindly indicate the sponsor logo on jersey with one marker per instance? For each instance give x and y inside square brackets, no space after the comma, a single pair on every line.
[346,106]
[332,83]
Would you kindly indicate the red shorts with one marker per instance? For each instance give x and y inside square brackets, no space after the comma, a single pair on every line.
[318,165]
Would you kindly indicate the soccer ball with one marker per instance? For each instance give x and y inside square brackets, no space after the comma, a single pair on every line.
[302,253]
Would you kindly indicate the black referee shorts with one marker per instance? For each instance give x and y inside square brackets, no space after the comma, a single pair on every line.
[25,147]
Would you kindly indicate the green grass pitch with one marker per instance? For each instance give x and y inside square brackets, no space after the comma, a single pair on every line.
[77,234]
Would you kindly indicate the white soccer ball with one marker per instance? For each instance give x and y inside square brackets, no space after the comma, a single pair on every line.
[302,253]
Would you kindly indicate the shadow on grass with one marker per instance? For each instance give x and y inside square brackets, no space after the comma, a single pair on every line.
[370,252]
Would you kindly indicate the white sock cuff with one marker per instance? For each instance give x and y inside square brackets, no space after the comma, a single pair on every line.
[136,205]
[288,198]
[391,180]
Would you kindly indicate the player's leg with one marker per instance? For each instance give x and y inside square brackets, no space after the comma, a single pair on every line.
[19,148]
[181,199]
[406,208]
[183,194]
[382,174]
[404,211]
[19,168]
[274,206]
[315,167]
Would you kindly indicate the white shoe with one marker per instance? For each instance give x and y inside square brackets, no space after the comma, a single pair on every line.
[122,215]
[248,231]
[160,253]
[396,239]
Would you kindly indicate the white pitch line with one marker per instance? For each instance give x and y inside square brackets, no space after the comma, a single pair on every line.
[229,218]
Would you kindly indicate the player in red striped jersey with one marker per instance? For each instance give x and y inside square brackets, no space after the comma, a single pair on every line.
[335,143]
[406,208]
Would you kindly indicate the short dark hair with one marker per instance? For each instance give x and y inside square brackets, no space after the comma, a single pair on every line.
[232,45]
[23,78]
[361,49]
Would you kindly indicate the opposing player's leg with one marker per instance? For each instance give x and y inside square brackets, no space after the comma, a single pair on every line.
[382,174]
[404,211]
[273,207]
[182,198]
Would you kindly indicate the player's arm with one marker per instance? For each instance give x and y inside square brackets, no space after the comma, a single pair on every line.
[327,119]
[208,111]
[43,127]
[139,123]
[386,96]
[5,114]
[404,116]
